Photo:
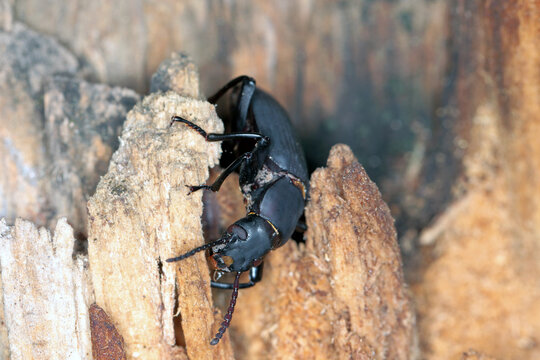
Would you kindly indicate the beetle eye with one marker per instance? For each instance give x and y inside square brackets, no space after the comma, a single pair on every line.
[238,230]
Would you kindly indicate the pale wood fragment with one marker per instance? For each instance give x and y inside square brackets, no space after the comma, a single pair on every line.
[141,215]
[46,292]
[28,60]
[177,73]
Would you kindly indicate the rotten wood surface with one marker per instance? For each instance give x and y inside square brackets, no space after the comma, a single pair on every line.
[141,215]
[463,75]
[341,294]
[478,283]
[46,293]
[58,131]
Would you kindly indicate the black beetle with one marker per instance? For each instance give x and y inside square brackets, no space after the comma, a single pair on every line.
[273,179]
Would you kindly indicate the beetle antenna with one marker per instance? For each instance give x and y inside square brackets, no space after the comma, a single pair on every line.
[227,320]
[196,250]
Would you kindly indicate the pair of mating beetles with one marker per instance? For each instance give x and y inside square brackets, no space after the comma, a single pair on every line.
[273,179]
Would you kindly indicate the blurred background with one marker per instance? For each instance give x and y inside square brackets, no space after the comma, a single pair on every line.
[439,101]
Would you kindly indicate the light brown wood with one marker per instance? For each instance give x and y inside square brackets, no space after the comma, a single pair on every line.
[478,286]
[340,296]
[46,292]
[317,300]
[439,98]
[141,215]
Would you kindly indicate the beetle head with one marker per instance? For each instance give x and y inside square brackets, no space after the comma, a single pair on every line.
[244,243]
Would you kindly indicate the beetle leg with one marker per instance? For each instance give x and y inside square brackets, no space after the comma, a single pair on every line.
[221,178]
[218,137]
[236,136]
[255,275]
[262,142]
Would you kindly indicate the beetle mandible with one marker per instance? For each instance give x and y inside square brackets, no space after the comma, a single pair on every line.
[273,178]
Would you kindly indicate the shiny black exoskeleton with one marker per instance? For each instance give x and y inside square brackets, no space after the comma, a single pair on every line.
[273,179]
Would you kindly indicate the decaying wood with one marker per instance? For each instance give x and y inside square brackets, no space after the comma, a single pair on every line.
[82,125]
[468,68]
[351,227]
[478,287]
[342,295]
[177,73]
[475,355]
[46,292]
[57,134]
[28,60]
[141,215]
[58,131]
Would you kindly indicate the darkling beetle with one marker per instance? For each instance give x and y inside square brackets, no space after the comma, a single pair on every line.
[273,179]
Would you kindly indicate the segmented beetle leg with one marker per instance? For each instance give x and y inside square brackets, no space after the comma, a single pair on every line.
[192,188]
[192,125]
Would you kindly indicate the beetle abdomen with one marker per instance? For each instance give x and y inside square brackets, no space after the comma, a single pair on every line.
[281,202]
[272,121]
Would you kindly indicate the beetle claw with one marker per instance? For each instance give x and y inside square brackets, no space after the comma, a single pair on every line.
[192,188]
